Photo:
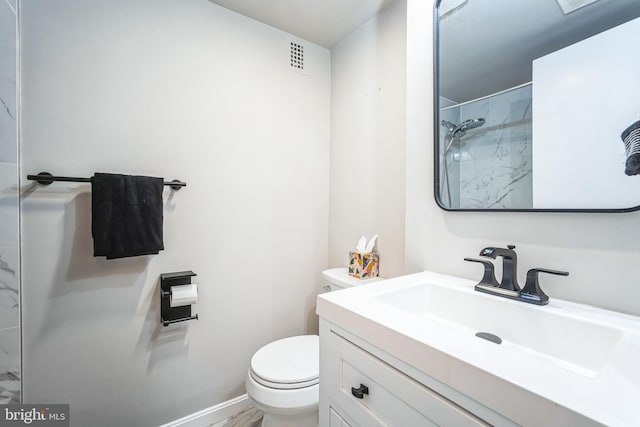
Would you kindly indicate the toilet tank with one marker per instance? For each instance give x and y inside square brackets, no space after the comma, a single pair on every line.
[335,279]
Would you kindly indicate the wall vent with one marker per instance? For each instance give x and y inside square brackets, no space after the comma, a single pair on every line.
[569,6]
[296,57]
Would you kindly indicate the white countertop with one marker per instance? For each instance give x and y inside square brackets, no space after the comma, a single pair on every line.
[609,395]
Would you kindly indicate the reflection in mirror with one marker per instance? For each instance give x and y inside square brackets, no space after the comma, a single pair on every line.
[533,99]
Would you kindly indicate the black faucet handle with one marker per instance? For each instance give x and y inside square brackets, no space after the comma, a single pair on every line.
[532,290]
[489,277]
[548,271]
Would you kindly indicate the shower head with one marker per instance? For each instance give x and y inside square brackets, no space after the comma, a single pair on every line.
[468,125]
[447,124]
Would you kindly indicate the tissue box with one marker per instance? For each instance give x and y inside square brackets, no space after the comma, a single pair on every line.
[363,265]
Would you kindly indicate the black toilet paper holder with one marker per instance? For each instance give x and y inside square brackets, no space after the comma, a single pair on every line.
[168,314]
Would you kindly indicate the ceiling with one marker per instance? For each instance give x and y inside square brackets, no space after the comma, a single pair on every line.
[323,22]
[488,45]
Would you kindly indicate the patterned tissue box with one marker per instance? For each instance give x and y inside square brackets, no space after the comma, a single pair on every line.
[363,266]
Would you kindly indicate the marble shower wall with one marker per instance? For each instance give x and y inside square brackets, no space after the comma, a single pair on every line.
[449,191]
[491,167]
[9,235]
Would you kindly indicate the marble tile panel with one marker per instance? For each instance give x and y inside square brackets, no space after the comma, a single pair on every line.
[9,286]
[495,160]
[449,182]
[8,97]
[9,204]
[13,4]
[9,366]
[250,418]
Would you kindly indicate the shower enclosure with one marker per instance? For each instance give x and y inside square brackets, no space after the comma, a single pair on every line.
[485,152]
[9,235]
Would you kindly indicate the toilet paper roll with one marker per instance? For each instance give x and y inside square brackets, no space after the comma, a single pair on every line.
[183,295]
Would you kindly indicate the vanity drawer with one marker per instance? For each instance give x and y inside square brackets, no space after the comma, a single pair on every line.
[391,398]
[336,420]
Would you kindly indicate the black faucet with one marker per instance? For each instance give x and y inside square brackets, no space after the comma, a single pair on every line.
[508,286]
[509,266]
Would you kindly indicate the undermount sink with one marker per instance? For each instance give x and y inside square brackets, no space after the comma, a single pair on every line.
[561,336]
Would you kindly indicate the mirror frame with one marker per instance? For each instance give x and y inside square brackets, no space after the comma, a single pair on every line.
[436,139]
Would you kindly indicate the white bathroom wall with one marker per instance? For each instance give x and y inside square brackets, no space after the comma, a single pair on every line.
[186,90]
[368,139]
[599,250]
[9,225]
[582,103]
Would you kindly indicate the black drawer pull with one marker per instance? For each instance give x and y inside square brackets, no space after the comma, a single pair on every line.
[360,391]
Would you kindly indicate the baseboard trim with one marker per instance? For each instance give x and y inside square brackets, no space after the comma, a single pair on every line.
[213,414]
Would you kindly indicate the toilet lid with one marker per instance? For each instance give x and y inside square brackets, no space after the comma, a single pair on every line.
[288,363]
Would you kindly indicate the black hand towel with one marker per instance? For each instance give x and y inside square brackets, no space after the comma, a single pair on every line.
[126,215]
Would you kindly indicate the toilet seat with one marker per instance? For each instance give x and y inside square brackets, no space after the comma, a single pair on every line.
[286,364]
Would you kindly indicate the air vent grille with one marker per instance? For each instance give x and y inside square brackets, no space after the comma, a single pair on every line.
[297,56]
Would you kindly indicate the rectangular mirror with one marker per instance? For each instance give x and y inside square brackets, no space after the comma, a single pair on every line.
[537,105]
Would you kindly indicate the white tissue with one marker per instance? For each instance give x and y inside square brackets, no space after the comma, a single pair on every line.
[371,244]
[182,295]
[364,248]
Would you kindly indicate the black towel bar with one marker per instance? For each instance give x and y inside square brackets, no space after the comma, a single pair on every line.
[184,319]
[45,178]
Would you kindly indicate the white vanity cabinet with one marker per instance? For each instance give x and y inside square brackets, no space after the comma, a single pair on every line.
[384,395]
[336,420]
[410,349]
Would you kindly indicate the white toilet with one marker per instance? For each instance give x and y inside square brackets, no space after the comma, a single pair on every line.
[282,380]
